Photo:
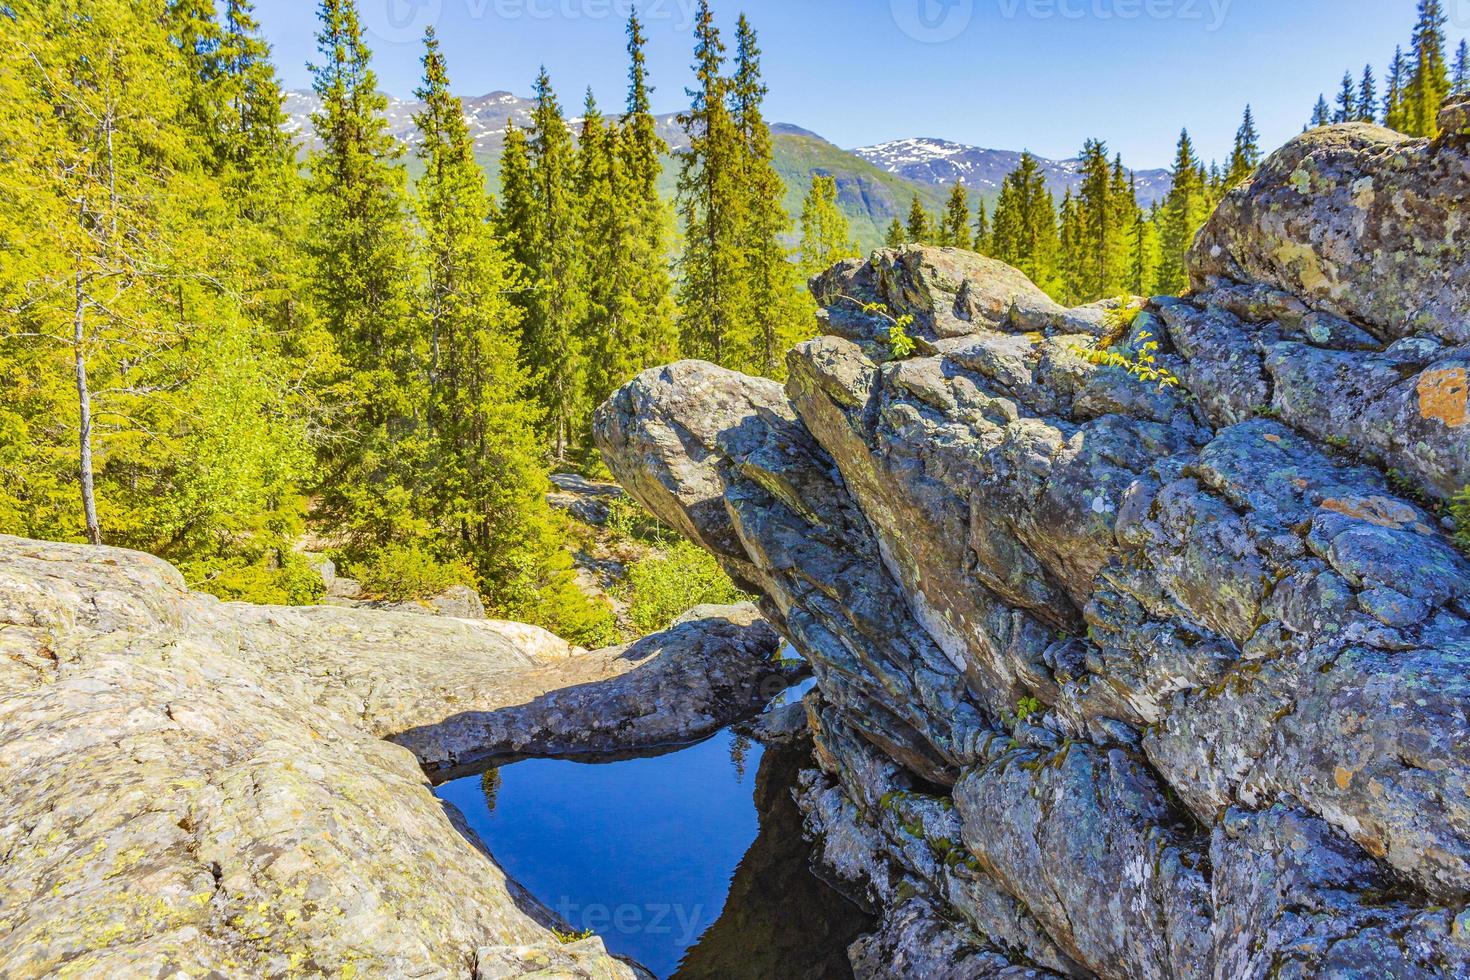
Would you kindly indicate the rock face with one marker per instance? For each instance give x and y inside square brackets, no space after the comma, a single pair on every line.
[1119,680]
[193,788]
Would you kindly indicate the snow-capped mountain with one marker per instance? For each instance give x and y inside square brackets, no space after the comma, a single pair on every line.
[941,162]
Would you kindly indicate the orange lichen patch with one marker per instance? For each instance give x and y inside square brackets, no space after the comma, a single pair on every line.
[1271,437]
[1382,511]
[1344,777]
[1445,395]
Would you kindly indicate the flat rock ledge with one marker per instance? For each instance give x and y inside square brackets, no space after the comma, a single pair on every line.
[199,789]
[1119,680]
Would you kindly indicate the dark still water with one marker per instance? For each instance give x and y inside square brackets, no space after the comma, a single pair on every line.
[645,853]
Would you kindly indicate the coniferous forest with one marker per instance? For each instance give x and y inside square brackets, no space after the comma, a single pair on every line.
[213,341]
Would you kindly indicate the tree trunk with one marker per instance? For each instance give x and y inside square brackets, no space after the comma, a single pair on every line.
[84,403]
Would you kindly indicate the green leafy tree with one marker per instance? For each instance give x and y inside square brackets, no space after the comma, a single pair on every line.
[826,237]
[954,229]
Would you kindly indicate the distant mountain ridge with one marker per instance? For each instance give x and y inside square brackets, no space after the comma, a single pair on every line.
[945,163]
[874,184]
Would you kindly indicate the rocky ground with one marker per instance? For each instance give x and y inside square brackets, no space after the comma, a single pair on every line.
[1120,679]
[194,788]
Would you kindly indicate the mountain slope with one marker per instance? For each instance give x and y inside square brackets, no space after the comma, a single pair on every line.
[943,163]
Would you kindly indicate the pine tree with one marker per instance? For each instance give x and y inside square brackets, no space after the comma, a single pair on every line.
[1367,97]
[896,234]
[1321,113]
[1429,80]
[1347,100]
[607,332]
[1076,269]
[777,312]
[1123,200]
[826,237]
[1098,233]
[1395,115]
[954,230]
[920,227]
[1460,81]
[653,334]
[1183,213]
[982,228]
[712,281]
[1246,155]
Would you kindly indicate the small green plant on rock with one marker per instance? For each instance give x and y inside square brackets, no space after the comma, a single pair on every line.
[1460,514]
[1143,365]
[900,343]
[1119,319]
[568,938]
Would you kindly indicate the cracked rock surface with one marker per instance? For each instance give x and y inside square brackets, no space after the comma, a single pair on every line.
[200,789]
[1119,680]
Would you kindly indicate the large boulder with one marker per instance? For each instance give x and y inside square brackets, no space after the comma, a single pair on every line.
[193,788]
[1119,679]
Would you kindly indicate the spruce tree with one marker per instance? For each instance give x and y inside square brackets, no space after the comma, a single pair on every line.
[1395,105]
[896,234]
[653,333]
[920,228]
[826,237]
[777,314]
[1123,200]
[1460,81]
[1347,100]
[1429,79]
[711,293]
[1024,227]
[1367,97]
[1077,272]
[606,332]
[1183,213]
[1246,155]
[1321,113]
[1097,232]
[954,230]
[554,294]
[982,228]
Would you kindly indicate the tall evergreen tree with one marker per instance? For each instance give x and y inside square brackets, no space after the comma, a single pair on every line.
[1367,97]
[1246,155]
[607,331]
[896,234]
[776,315]
[1024,227]
[826,237]
[1321,113]
[1347,100]
[920,227]
[712,267]
[981,240]
[1395,101]
[1460,80]
[1183,213]
[1099,232]
[954,230]
[654,337]
[555,301]
[1076,268]
[1429,81]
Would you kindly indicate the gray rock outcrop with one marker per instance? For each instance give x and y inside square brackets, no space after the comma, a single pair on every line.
[1119,679]
[193,788]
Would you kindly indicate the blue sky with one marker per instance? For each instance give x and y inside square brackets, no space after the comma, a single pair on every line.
[1042,74]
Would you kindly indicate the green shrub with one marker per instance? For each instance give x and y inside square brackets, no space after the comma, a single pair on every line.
[272,579]
[666,585]
[544,592]
[1460,513]
[627,519]
[399,573]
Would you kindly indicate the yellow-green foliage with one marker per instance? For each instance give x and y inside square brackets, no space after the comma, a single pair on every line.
[665,585]
[1143,365]
[1460,513]
[1119,320]
[400,573]
[568,938]
[272,579]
